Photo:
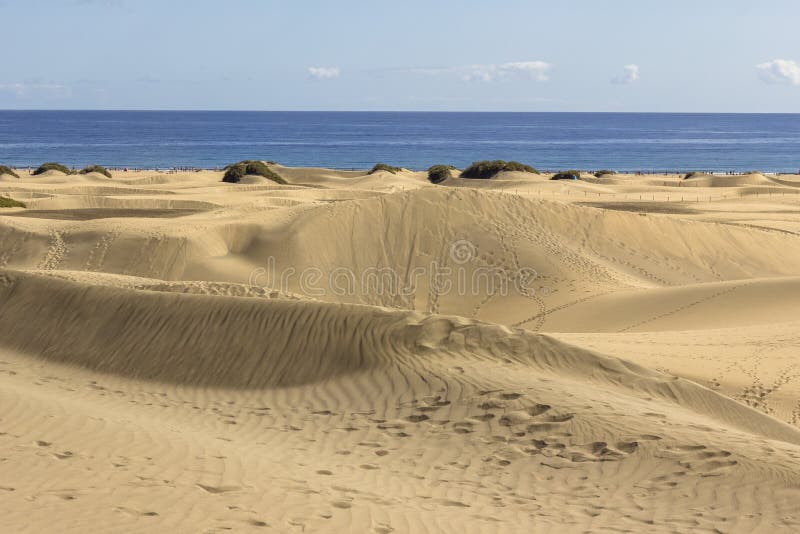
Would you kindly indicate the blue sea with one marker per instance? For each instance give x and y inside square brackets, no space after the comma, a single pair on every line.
[357,140]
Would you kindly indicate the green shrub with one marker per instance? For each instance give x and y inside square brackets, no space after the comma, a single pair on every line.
[692,174]
[52,166]
[248,161]
[10,203]
[96,168]
[8,170]
[236,171]
[439,173]
[520,167]
[233,174]
[487,169]
[603,172]
[384,167]
[566,175]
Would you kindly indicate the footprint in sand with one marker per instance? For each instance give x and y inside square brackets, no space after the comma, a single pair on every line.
[132,512]
[463,427]
[628,447]
[558,418]
[417,418]
[538,409]
[218,489]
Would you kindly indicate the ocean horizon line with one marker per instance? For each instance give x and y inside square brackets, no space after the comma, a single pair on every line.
[403,111]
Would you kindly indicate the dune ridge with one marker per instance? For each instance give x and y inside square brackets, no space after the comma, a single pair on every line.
[179,338]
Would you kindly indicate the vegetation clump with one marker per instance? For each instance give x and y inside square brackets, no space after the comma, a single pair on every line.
[248,161]
[96,168]
[10,203]
[236,171]
[603,172]
[487,169]
[439,173]
[692,174]
[52,166]
[234,174]
[384,167]
[571,174]
[8,170]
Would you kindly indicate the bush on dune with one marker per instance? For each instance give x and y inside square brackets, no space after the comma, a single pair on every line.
[439,173]
[692,174]
[96,168]
[10,203]
[516,166]
[236,171]
[571,174]
[487,169]
[52,166]
[247,162]
[603,172]
[384,167]
[233,174]
[8,170]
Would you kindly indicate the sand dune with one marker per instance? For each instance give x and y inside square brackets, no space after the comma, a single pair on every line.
[691,307]
[707,180]
[630,369]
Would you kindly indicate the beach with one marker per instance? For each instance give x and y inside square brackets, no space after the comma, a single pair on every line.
[355,352]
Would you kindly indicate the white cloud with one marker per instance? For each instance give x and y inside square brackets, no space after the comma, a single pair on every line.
[526,70]
[520,70]
[780,71]
[22,88]
[324,73]
[630,74]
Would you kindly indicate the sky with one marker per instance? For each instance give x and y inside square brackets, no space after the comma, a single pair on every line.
[445,55]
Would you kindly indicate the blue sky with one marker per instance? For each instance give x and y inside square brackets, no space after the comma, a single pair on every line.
[567,55]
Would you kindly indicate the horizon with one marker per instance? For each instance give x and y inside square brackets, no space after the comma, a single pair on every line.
[156,110]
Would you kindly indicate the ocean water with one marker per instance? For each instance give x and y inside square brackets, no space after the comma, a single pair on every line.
[357,140]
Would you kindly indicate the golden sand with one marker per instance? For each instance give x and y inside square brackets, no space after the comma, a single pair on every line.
[165,367]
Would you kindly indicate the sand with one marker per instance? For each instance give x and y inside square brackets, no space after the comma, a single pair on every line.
[182,355]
